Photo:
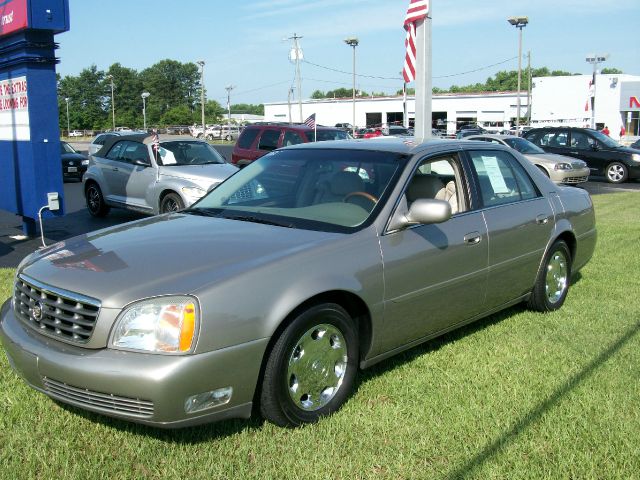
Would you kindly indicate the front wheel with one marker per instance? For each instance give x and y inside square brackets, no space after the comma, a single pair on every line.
[617,172]
[95,201]
[552,284]
[311,369]
[171,202]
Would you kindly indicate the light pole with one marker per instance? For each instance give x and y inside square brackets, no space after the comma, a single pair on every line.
[68,129]
[228,88]
[519,23]
[113,104]
[295,55]
[595,60]
[201,63]
[353,42]
[144,96]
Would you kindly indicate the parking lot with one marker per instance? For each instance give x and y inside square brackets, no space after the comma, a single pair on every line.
[78,221]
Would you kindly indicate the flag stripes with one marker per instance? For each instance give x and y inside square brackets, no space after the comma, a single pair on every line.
[417,11]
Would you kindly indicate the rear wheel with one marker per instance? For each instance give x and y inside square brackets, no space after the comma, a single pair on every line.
[311,369]
[95,201]
[171,202]
[617,172]
[552,284]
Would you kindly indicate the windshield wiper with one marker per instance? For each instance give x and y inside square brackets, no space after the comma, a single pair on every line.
[252,219]
[203,212]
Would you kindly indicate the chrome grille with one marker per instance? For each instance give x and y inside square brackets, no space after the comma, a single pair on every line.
[105,401]
[574,179]
[578,165]
[54,312]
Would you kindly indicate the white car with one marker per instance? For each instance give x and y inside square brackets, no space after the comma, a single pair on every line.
[76,133]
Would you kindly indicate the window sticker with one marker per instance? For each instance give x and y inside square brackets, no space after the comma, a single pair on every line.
[167,157]
[495,175]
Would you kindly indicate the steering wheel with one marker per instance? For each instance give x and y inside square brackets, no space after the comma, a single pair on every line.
[366,195]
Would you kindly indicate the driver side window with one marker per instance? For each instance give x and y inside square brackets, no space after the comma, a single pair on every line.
[582,141]
[438,179]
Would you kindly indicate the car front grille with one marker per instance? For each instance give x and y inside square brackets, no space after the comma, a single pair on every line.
[57,313]
[574,179]
[114,404]
[578,165]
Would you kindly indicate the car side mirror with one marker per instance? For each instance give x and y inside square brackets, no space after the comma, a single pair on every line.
[141,163]
[424,211]
[595,147]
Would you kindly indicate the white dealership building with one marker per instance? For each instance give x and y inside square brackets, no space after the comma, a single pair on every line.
[554,101]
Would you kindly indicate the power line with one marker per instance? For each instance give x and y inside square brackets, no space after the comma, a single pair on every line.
[477,69]
[350,73]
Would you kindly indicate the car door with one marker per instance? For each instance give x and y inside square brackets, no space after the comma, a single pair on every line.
[435,275]
[109,166]
[137,175]
[587,148]
[519,222]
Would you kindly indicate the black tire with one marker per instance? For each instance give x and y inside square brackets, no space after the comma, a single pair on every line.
[314,338]
[171,202]
[95,201]
[616,172]
[228,138]
[554,278]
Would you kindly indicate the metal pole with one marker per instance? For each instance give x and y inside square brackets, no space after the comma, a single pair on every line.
[228,88]
[113,104]
[593,99]
[423,81]
[289,102]
[519,80]
[353,125]
[204,129]
[144,112]
[529,88]
[298,80]
[68,129]
[405,117]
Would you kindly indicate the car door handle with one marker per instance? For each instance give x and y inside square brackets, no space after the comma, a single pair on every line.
[473,238]
[573,153]
[115,169]
[542,219]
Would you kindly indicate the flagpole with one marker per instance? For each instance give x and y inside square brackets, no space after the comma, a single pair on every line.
[423,82]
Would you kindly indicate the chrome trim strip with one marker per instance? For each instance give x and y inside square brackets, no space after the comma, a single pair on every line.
[76,297]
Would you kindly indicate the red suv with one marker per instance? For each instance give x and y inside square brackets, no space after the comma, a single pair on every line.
[259,139]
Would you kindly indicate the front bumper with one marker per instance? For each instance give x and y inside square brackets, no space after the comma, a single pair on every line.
[143,388]
[571,177]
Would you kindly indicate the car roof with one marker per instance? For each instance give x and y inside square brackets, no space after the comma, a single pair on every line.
[491,135]
[293,126]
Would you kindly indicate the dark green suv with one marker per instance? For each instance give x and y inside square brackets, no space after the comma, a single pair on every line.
[603,155]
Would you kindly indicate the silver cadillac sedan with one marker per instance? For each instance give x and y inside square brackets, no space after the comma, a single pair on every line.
[280,284]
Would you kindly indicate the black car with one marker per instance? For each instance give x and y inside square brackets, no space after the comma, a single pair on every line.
[603,155]
[74,164]
[635,145]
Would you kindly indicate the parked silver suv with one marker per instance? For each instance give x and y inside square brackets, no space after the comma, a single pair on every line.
[132,172]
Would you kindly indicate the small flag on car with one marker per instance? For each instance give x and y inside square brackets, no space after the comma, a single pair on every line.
[417,11]
[311,121]
[156,140]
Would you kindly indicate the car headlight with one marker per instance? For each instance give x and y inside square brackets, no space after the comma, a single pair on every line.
[158,325]
[635,157]
[194,192]
[563,166]
[85,162]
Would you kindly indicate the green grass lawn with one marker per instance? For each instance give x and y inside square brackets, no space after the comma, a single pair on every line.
[517,395]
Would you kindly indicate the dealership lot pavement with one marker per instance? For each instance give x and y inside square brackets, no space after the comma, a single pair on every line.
[77,220]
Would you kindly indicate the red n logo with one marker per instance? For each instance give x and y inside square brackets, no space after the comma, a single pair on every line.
[634,101]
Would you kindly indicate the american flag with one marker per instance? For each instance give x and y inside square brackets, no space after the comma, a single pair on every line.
[417,11]
[311,121]
[156,140]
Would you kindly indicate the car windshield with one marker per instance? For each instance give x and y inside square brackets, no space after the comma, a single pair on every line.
[523,146]
[608,141]
[331,190]
[66,148]
[323,135]
[187,153]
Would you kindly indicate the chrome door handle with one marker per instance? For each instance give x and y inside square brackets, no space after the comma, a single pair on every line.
[542,219]
[472,238]
[115,169]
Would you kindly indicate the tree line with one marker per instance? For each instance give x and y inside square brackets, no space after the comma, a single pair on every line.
[174,97]
[503,81]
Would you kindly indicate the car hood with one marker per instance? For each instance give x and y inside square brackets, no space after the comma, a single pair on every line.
[628,150]
[204,175]
[551,158]
[68,157]
[163,255]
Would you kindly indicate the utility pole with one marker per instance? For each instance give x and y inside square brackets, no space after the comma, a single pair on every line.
[296,54]
[529,88]
[228,88]
[113,103]
[289,93]
[66,99]
[204,128]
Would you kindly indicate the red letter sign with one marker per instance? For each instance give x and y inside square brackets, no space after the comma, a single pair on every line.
[634,101]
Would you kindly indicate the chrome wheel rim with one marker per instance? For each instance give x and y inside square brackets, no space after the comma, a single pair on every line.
[317,366]
[93,199]
[557,277]
[615,173]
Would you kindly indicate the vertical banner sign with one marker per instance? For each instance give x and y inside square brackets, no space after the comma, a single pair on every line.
[14,110]
[13,16]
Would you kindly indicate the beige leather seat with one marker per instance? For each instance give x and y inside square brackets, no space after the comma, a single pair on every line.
[448,193]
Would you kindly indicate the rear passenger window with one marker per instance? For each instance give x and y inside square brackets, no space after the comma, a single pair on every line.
[116,151]
[247,137]
[291,138]
[269,140]
[501,178]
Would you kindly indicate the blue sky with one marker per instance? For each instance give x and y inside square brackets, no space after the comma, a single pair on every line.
[242,41]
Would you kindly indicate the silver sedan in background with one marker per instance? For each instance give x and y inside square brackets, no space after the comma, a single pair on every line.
[275,288]
[560,169]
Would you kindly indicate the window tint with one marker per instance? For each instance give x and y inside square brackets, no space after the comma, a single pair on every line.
[269,140]
[291,138]
[501,178]
[134,151]
[554,139]
[247,137]
[581,140]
